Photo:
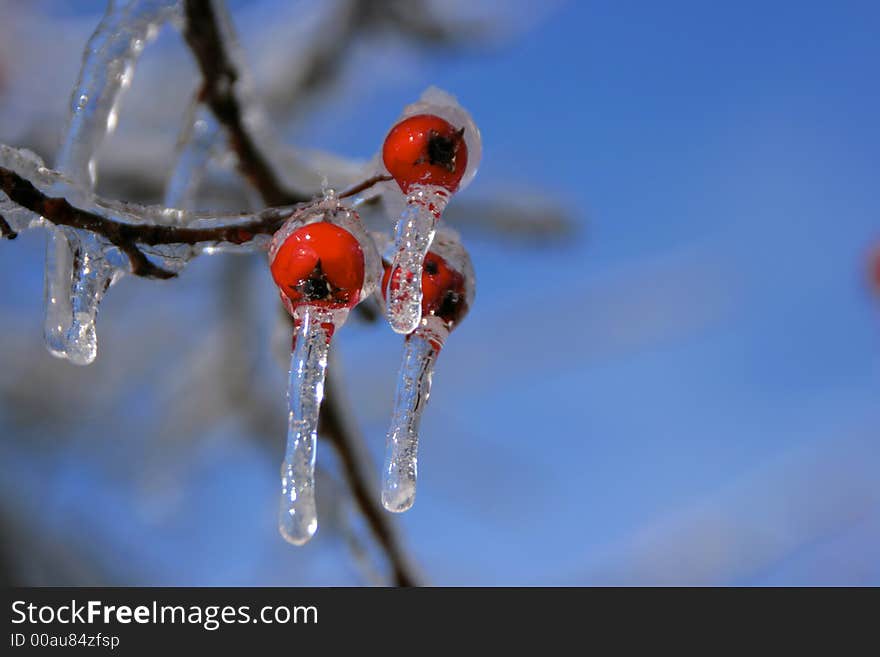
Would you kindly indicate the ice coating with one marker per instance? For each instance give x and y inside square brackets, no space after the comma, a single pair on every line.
[107,71]
[78,270]
[440,103]
[413,235]
[449,294]
[193,153]
[319,302]
[171,256]
[425,203]
[410,397]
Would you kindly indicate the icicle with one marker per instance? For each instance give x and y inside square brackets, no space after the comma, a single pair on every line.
[448,283]
[432,152]
[324,264]
[76,263]
[93,275]
[412,237]
[297,518]
[413,389]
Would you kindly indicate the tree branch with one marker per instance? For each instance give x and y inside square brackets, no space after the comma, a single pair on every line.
[127,236]
[360,187]
[6,231]
[219,77]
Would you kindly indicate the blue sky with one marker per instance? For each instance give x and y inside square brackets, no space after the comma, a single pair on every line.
[714,318]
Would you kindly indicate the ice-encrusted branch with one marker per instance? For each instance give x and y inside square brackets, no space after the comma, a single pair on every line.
[128,226]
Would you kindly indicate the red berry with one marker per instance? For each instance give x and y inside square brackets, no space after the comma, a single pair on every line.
[443,290]
[320,264]
[875,270]
[427,150]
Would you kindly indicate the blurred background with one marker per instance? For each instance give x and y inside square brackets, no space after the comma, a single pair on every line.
[671,371]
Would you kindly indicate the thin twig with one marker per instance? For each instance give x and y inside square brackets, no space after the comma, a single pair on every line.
[60,212]
[369,182]
[345,440]
[219,77]
[6,231]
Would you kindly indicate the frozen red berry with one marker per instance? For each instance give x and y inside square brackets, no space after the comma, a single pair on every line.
[443,290]
[320,264]
[425,150]
[874,269]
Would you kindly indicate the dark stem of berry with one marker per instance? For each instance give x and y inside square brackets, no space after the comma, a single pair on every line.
[442,149]
[315,287]
[451,307]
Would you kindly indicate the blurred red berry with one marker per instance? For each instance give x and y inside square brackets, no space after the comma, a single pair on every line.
[875,270]
[443,290]
[426,150]
[320,264]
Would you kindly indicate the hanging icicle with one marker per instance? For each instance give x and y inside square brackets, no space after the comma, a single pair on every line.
[448,287]
[81,266]
[324,264]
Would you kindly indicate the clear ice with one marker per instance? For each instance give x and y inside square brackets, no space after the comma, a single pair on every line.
[79,265]
[401,453]
[194,150]
[297,517]
[413,235]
